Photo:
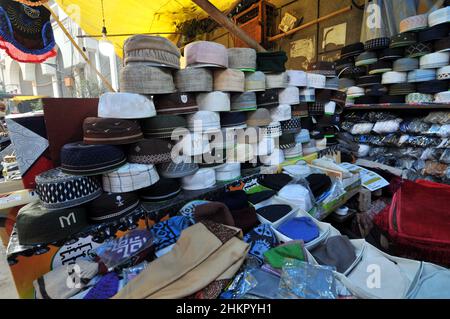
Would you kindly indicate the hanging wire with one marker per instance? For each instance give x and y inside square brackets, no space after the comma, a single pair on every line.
[103,17]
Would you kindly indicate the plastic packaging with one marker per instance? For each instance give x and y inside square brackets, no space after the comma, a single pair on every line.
[363,150]
[431,153]
[347,126]
[383,127]
[361,128]
[380,116]
[129,273]
[433,130]
[242,283]
[411,152]
[403,140]
[417,126]
[128,249]
[390,140]
[423,141]
[307,281]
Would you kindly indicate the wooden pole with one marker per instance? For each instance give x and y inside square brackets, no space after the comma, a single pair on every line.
[306,25]
[75,44]
[223,20]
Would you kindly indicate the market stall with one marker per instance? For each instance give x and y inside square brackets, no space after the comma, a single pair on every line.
[219,172]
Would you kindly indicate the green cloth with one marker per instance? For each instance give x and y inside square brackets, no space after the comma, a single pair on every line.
[275,256]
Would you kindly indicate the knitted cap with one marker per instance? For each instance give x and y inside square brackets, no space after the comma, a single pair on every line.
[243,101]
[150,151]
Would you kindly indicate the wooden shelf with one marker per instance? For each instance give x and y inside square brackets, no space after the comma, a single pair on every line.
[397,106]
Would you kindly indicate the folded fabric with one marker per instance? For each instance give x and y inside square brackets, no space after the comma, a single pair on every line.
[299,228]
[275,181]
[319,184]
[57,284]
[275,257]
[297,195]
[337,251]
[273,213]
[261,239]
[259,197]
[206,254]
[105,288]
[214,211]
[167,232]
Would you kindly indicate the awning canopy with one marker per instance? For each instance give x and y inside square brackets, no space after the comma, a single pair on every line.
[134,16]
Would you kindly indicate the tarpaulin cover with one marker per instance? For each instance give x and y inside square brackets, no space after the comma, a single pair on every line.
[134,16]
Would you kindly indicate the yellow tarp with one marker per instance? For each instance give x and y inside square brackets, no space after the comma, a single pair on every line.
[134,16]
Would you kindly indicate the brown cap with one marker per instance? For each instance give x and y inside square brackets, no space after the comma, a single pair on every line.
[176,103]
[111,131]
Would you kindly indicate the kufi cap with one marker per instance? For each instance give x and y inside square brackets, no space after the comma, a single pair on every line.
[194,80]
[439,16]
[111,131]
[202,179]
[229,80]
[255,81]
[125,106]
[137,77]
[406,64]
[206,53]
[206,121]
[316,81]
[289,95]
[260,117]
[394,77]
[434,60]
[280,113]
[297,78]
[277,81]
[268,98]
[129,178]
[176,103]
[162,126]
[271,62]
[421,75]
[154,49]
[58,190]
[183,166]
[216,101]
[86,160]
[150,151]
[37,225]
[109,207]
[243,59]
[243,101]
[162,190]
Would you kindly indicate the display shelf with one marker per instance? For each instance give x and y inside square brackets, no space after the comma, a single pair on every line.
[153,212]
[397,106]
